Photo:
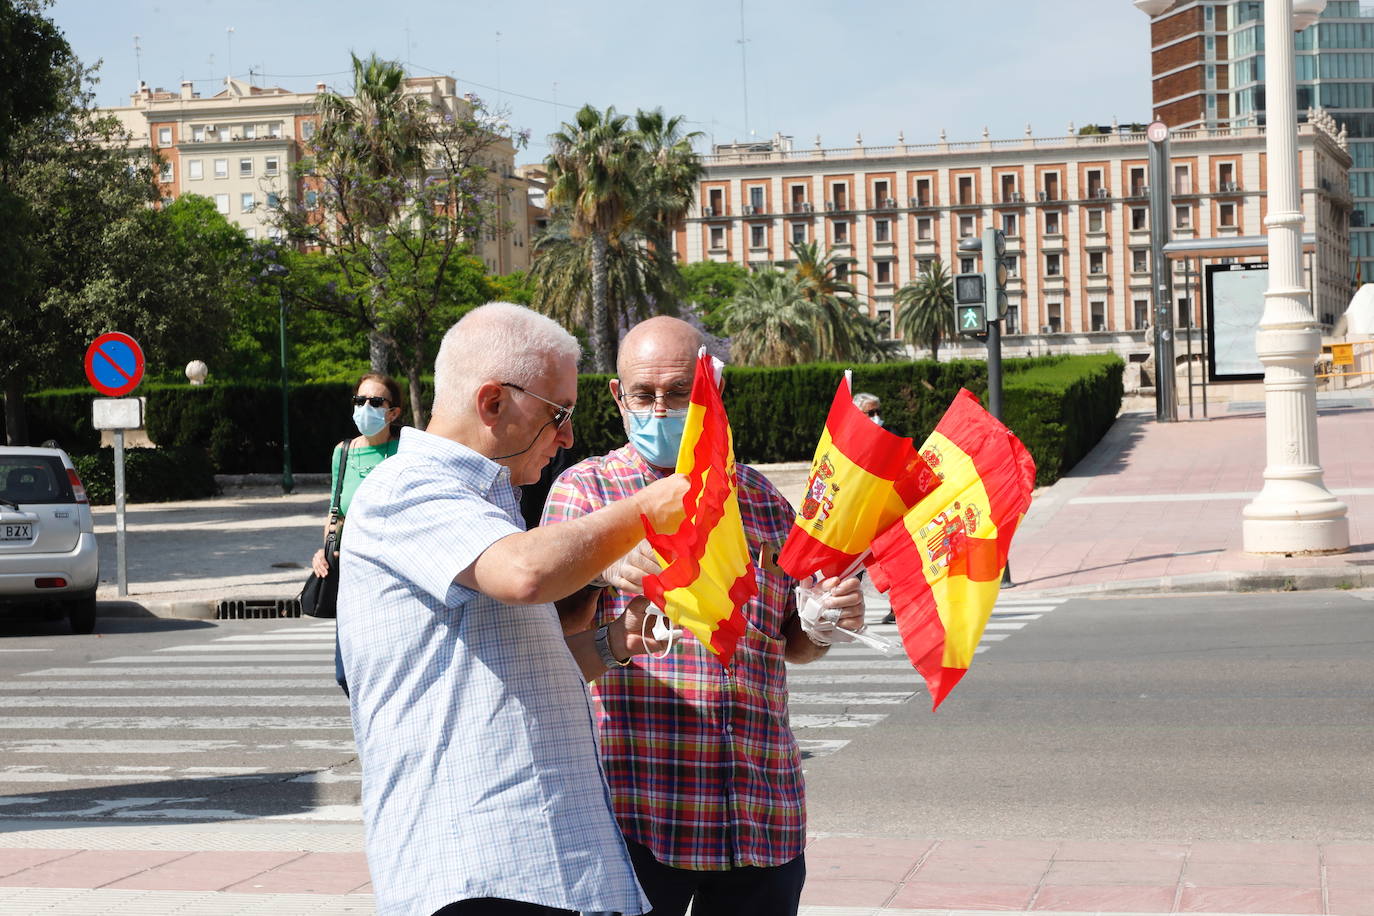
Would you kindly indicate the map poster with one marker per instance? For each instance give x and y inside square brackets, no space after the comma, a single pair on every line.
[1235,302]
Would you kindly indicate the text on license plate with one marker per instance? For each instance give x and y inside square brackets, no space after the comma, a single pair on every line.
[16,532]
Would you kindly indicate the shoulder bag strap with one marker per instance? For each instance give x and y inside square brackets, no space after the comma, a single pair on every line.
[334,502]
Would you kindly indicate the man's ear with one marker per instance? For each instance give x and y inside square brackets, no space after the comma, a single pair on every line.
[488,400]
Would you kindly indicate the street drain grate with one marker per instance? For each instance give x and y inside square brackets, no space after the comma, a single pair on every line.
[257,608]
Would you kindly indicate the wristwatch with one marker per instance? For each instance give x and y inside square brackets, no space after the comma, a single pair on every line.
[603,648]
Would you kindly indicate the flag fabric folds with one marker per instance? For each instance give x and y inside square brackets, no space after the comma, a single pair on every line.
[708,573]
[942,564]
[863,478]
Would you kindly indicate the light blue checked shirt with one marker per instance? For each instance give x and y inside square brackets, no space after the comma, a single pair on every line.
[473,722]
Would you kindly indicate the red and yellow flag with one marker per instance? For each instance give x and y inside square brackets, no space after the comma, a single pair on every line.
[708,574]
[863,478]
[942,564]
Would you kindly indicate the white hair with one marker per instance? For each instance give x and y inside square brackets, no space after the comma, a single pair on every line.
[500,342]
[863,399]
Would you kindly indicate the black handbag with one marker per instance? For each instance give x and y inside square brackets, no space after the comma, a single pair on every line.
[319,597]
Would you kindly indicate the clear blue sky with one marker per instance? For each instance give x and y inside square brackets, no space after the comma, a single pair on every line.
[814,66]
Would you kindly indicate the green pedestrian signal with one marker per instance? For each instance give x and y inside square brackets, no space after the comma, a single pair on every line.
[971,319]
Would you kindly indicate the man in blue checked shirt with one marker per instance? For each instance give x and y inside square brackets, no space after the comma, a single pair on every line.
[482,791]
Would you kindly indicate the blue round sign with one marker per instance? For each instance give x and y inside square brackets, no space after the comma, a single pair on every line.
[114,364]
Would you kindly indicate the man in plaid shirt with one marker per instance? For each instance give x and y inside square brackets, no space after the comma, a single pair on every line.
[704,771]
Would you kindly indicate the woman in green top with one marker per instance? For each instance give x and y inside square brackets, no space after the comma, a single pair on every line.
[376,407]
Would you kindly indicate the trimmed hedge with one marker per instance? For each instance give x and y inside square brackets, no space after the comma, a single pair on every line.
[1061,407]
[150,475]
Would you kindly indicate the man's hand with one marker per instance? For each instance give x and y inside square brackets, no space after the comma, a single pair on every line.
[847,597]
[627,574]
[661,502]
[627,633]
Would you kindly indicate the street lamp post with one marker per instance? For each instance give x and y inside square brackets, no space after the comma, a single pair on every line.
[1294,513]
[279,271]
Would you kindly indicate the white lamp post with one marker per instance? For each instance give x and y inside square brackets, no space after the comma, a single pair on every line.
[1294,513]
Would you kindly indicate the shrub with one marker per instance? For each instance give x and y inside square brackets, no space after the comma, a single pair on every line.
[1061,407]
[150,475]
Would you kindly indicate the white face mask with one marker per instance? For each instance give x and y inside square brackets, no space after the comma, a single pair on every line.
[369,419]
[877,419]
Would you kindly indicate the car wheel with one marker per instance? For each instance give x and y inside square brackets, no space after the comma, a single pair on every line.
[81,614]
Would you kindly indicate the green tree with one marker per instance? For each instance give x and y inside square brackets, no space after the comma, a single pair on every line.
[839,332]
[671,170]
[925,315]
[709,285]
[771,322]
[595,173]
[405,194]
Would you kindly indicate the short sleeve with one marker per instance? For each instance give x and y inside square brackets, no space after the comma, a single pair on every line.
[436,529]
[334,472]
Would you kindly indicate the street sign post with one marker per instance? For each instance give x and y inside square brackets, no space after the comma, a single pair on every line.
[114,366]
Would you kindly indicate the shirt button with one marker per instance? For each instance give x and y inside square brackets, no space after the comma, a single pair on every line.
[729,728]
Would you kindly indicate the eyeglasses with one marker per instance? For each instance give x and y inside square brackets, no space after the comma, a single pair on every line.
[871,413]
[561,414]
[359,401]
[642,401]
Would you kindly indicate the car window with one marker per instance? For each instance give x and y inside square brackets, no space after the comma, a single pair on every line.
[30,479]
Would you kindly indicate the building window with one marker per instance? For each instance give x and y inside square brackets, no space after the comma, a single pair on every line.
[883,272]
[250,233]
[307,129]
[224,134]
[195,169]
[312,199]
[221,168]
[1008,188]
[1140,218]
[842,272]
[756,199]
[250,131]
[881,231]
[1226,215]
[1097,262]
[1053,318]
[923,192]
[717,238]
[1051,189]
[1140,261]
[965,189]
[1013,319]
[164,136]
[1183,217]
[245,168]
[1052,265]
[1138,188]
[880,194]
[885,316]
[924,227]
[758,237]
[271,165]
[1226,176]
[1095,221]
[923,265]
[799,233]
[717,202]
[798,192]
[1095,187]
[1009,224]
[1052,222]
[273,201]
[198,135]
[965,227]
[840,231]
[166,173]
[1013,265]
[247,202]
[966,266]
[1098,311]
[1183,182]
[1141,307]
[839,193]
[274,129]
[222,203]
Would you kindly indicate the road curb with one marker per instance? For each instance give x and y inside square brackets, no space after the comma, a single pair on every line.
[1280,580]
[177,609]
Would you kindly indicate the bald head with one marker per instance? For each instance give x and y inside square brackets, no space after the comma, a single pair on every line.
[658,341]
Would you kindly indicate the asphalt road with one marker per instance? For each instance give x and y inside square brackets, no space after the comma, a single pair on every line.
[1245,717]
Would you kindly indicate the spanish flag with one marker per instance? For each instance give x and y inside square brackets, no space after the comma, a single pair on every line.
[863,478]
[943,562]
[708,574]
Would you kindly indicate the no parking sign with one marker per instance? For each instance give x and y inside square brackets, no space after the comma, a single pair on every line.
[114,364]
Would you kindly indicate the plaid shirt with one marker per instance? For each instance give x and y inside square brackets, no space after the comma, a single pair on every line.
[703,767]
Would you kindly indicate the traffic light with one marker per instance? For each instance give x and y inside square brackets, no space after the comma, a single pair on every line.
[995,272]
[971,318]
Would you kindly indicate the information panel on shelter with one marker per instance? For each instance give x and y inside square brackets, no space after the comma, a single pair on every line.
[1235,303]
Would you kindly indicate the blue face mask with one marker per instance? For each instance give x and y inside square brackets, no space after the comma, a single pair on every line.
[369,420]
[657,439]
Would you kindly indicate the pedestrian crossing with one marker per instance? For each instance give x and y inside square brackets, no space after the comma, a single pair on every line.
[251,724]
[850,675]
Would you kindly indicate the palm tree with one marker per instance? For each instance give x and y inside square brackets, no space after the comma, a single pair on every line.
[837,308]
[672,170]
[771,322]
[375,148]
[594,172]
[925,313]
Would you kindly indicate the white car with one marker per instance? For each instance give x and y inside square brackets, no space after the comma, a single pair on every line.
[47,536]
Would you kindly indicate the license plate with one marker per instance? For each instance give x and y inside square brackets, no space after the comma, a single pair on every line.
[22,532]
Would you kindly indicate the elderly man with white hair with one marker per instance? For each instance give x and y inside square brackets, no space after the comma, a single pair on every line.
[482,791]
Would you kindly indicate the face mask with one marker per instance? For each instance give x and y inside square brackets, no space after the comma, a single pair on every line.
[657,439]
[369,420]
[877,419]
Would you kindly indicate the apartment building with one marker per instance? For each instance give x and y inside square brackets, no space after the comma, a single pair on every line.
[1075,211]
[239,148]
[1207,65]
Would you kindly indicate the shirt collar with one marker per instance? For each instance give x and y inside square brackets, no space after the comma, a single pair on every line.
[636,461]
[480,469]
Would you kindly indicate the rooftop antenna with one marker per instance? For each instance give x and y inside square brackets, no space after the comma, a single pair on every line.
[138,59]
[743,67]
[229,47]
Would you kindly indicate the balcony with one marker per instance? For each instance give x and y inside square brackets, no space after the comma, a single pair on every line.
[918,203]
[801,206]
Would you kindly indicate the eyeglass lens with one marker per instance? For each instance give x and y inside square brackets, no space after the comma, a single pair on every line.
[359,401]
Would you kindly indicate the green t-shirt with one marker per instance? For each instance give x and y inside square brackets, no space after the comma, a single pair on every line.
[361,461]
